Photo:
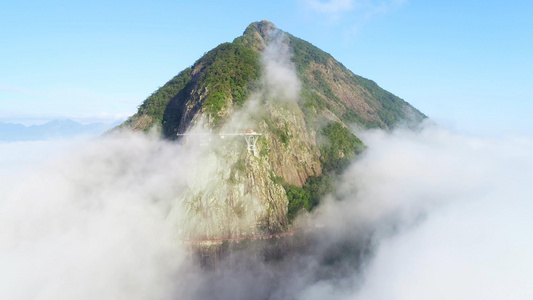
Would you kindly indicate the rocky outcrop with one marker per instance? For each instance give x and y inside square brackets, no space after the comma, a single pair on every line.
[291,146]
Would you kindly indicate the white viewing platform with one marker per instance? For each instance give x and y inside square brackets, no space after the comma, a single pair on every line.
[250,136]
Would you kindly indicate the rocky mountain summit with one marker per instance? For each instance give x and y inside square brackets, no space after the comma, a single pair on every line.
[269,116]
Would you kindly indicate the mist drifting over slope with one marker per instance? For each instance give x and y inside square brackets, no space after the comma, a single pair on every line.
[427,214]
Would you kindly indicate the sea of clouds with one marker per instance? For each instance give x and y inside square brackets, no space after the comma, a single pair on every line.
[421,214]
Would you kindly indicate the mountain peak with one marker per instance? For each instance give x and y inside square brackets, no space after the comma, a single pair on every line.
[263,27]
[257,35]
[298,98]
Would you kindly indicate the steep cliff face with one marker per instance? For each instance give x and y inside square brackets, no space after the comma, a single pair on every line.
[296,96]
[230,193]
[235,191]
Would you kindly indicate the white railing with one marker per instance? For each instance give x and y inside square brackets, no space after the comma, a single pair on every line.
[250,136]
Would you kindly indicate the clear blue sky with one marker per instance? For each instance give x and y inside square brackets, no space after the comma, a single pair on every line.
[466,64]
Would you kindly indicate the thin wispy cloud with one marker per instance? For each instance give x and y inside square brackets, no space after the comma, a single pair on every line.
[346,6]
[330,7]
[351,14]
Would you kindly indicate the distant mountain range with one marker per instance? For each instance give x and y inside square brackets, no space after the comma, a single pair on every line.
[54,129]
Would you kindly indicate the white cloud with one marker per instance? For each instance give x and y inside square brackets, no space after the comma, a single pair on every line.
[363,7]
[280,78]
[474,250]
[449,216]
[332,6]
[92,223]
[427,214]
[352,15]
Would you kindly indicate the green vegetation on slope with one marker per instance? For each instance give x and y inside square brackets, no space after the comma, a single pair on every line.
[226,77]
[299,198]
[229,74]
[156,104]
[393,108]
[308,196]
[336,153]
[304,53]
[340,148]
[318,93]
